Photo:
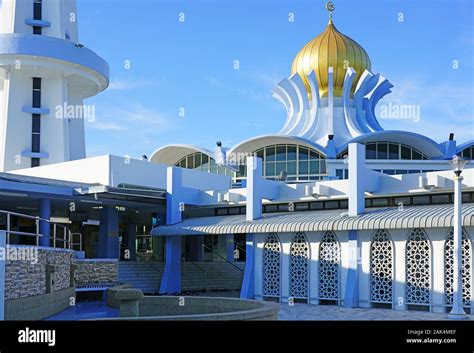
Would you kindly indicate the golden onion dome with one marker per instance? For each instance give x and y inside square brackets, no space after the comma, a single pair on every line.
[330,49]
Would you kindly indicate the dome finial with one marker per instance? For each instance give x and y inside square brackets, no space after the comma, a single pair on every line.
[330,8]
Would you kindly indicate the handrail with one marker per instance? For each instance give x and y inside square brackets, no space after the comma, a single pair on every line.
[203,270]
[222,257]
[67,235]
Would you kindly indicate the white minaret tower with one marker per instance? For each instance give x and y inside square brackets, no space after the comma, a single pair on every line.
[45,74]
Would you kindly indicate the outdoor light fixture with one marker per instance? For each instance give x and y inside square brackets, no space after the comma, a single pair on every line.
[457,164]
[457,312]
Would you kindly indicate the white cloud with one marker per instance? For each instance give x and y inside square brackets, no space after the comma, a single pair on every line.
[131,84]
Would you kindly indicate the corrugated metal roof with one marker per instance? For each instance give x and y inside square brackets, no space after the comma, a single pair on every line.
[433,216]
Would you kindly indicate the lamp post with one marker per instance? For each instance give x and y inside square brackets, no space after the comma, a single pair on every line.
[457,312]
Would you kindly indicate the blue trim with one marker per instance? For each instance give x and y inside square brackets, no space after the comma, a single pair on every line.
[171,280]
[37,23]
[248,282]
[30,154]
[31,110]
[54,48]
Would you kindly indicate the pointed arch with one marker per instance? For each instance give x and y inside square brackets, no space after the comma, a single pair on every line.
[418,268]
[381,268]
[329,266]
[271,266]
[299,266]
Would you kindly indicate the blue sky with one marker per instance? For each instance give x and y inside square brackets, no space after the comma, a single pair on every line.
[190,65]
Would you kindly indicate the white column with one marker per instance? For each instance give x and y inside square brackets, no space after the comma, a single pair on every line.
[458,311]
[365,238]
[399,241]
[438,237]
[314,240]
[356,179]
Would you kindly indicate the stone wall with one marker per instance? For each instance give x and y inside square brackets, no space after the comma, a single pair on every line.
[28,270]
[91,271]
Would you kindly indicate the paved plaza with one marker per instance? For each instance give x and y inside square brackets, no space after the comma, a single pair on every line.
[331,312]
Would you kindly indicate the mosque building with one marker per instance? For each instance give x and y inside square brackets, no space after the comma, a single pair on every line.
[331,209]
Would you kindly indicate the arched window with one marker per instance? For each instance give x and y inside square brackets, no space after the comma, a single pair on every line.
[466,268]
[300,163]
[329,259]
[271,266]
[204,163]
[381,268]
[418,268]
[389,150]
[299,266]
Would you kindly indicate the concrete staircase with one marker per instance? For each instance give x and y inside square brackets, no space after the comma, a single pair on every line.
[195,276]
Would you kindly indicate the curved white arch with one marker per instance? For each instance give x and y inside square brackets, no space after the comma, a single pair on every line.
[171,154]
[429,147]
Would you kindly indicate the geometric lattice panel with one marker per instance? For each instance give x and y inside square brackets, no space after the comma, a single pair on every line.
[466,268]
[271,266]
[418,268]
[381,267]
[299,266]
[329,259]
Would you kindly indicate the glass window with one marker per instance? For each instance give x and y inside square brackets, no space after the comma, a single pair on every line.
[322,167]
[291,152]
[36,99]
[270,154]
[280,167]
[281,153]
[303,154]
[314,167]
[382,150]
[36,123]
[371,151]
[393,152]
[415,154]
[36,83]
[270,169]
[260,154]
[197,160]
[340,174]
[35,142]
[314,155]
[291,168]
[304,167]
[406,152]
[190,162]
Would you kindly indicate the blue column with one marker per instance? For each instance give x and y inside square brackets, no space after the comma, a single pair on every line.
[196,250]
[351,296]
[109,246]
[45,213]
[229,247]
[171,281]
[247,291]
[3,240]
